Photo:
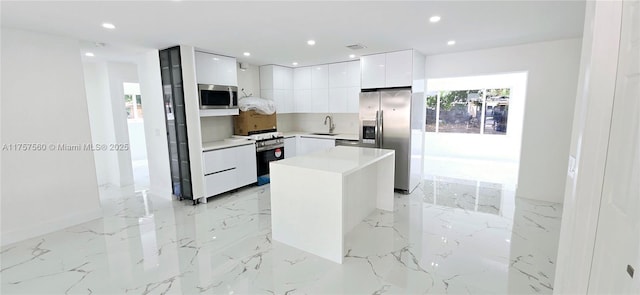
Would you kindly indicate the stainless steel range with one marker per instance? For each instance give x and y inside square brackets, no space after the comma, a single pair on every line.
[268,150]
[269,147]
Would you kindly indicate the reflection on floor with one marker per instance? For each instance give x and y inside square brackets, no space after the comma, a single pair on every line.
[448,236]
[140,174]
[504,173]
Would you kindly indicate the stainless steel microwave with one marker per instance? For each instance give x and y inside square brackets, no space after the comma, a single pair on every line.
[217,96]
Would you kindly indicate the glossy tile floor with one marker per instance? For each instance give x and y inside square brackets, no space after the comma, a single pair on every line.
[449,236]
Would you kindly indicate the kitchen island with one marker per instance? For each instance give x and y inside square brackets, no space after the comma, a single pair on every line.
[317,199]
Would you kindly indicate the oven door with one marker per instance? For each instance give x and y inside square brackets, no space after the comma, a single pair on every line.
[265,156]
[217,97]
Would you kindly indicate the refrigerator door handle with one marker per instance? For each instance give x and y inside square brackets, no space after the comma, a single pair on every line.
[381,128]
[376,129]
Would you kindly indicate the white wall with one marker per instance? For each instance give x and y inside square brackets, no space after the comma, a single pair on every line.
[216,128]
[108,117]
[552,69]
[100,116]
[43,101]
[484,147]
[137,145]
[119,73]
[154,123]
[589,143]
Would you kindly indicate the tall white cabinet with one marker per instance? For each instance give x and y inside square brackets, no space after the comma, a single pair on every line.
[276,83]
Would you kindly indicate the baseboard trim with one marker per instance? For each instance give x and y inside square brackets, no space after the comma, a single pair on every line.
[49,226]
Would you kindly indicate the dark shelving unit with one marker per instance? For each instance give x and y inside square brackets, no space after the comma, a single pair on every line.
[176,120]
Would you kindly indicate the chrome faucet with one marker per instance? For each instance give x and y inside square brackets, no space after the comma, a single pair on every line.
[331,126]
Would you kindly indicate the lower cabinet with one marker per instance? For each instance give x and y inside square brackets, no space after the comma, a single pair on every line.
[220,182]
[290,147]
[229,168]
[308,145]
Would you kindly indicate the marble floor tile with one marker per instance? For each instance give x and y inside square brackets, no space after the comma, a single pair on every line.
[449,236]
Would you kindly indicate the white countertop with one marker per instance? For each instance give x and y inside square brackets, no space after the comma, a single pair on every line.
[226,143]
[347,136]
[340,159]
[238,141]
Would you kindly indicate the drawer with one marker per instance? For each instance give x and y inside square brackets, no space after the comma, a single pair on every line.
[220,182]
[219,160]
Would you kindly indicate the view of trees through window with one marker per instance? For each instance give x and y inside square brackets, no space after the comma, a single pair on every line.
[134,108]
[476,111]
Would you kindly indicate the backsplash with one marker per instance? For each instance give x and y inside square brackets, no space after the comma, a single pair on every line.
[216,128]
[344,123]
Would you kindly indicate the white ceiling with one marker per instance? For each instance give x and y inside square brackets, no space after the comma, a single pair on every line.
[276,32]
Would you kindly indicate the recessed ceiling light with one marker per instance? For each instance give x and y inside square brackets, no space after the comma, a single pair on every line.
[451,42]
[294,63]
[434,19]
[108,26]
[311,42]
[216,59]
[247,54]
[352,56]
[89,54]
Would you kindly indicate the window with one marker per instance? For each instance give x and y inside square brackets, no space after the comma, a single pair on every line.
[475,111]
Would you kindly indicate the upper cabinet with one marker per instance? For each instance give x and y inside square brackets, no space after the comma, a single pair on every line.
[333,88]
[398,68]
[216,69]
[344,87]
[394,69]
[276,83]
[320,77]
[373,70]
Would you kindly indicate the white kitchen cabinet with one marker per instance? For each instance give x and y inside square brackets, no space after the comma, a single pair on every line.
[373,71]
[338,75]
[282,78]
[344,79]
[320,100]
[284,101]
[320,77]
[302,101]
[229,168]
[307,145]
[338,100]
[215,184]
[290,147]
[266,77]
[320,89]
[218,160]
[216,69]
[353,99]
[276,83]
[393,69]
[399,66]
[353,74]
[247,169]
[327,88]
[302,78]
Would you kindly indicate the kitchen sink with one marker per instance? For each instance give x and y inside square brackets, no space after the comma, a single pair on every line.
[327,134]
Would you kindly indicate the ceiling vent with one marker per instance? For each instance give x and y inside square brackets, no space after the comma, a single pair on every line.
[356,46]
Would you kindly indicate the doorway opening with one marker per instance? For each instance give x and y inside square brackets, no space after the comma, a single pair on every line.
[137,142]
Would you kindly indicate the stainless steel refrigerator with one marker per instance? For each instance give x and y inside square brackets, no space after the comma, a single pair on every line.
[395,119]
